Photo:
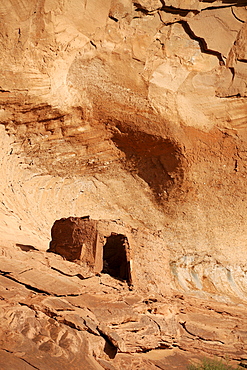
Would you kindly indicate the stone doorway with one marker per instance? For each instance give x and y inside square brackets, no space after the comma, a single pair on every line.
[116,261]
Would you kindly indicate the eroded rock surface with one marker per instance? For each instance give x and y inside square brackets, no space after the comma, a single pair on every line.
[132,112]
[99,323]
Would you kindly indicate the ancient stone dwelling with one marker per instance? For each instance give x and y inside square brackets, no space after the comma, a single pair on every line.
[83,241]
[123,204]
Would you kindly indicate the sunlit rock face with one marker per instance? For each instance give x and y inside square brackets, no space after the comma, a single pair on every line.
[129,110]
[132,111]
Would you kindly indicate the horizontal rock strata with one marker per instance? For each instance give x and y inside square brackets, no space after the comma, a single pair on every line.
[132,112]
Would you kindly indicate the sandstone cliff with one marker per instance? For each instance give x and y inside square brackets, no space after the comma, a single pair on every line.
[133,111]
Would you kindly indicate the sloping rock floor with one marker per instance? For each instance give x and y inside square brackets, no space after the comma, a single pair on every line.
[53,317]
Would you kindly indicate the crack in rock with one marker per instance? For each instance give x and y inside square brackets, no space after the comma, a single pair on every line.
[202,43]
[29,287]
[22,359]
[198,337]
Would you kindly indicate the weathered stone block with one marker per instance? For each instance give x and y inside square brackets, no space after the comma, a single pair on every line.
[75,238]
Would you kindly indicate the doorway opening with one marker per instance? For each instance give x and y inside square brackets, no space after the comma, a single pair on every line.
[116,261]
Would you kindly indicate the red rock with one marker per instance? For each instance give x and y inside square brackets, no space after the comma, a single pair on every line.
[75,238]
[134,112]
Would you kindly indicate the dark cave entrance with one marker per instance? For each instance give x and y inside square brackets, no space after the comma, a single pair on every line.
[116,261]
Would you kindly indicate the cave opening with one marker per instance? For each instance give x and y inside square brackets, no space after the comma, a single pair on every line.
[116,261]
